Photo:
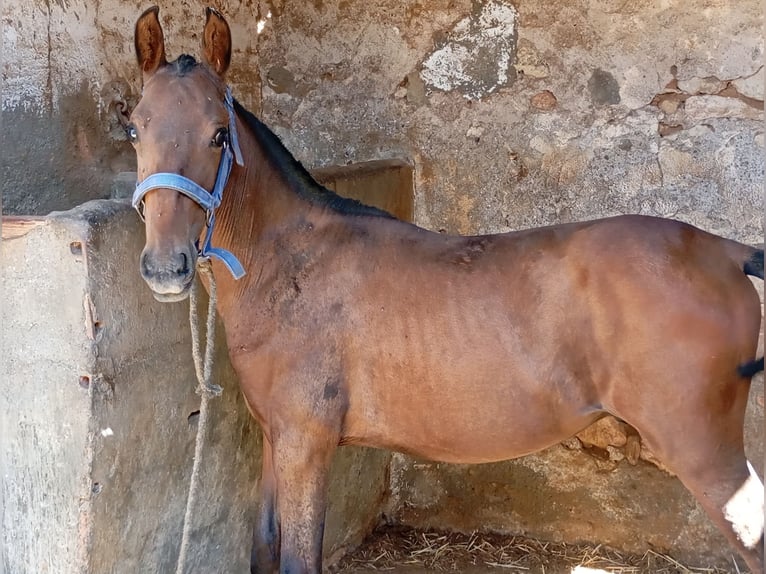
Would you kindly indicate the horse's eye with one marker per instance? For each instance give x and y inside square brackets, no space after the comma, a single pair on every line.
[220,138]
[132,133]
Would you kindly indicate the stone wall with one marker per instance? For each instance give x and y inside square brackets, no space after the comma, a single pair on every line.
[649,108]
[513,114]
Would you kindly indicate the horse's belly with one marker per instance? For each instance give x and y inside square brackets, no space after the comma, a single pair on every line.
[468,447]
[468,426]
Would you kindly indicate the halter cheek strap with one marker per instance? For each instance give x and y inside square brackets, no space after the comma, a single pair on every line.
[208,201]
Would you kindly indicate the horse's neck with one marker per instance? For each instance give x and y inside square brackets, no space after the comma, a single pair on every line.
[257,202]
[256,199]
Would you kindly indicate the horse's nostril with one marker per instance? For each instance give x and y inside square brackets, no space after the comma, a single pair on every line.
[144,265]
[183,268]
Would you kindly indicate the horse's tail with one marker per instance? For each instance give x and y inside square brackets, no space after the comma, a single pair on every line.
[750,368]
[753,266]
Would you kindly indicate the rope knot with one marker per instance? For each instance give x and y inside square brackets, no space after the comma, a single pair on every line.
[209,391]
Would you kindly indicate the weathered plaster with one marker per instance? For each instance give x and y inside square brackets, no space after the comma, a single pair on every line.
[532,164]
[475,59]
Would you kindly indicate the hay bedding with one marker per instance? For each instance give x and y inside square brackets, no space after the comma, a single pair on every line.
[404,550]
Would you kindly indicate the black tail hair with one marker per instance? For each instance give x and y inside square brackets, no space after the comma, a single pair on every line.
[754,266]
[750,368]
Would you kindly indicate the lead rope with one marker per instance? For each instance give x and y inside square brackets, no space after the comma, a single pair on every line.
[205,389]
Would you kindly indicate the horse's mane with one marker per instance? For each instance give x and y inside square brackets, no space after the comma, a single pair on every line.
[298,178]
[184,64]
[280,158]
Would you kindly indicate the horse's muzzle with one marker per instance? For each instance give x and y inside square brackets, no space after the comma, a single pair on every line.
[169,276]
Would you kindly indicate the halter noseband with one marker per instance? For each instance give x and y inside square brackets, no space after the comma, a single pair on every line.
[207,200]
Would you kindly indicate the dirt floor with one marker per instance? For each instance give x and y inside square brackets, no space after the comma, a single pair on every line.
[402,550]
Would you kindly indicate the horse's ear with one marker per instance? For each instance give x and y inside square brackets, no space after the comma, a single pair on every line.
[216,42]
[150,44]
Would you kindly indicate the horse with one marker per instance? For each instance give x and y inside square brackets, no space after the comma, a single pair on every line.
[347,326]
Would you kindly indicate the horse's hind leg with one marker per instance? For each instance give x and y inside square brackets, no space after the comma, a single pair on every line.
[703,445]
[264,558]
[733,498]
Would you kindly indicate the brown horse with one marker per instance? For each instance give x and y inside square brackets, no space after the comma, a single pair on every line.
[351,327]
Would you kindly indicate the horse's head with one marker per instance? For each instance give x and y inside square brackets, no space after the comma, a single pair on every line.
[182,135]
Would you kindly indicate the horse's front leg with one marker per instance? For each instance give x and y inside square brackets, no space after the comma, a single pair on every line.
[264,558]
[302,457]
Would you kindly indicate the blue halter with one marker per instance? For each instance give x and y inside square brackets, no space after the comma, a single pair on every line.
[207,200]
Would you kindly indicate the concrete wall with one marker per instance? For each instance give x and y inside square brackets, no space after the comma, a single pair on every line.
[97,418]
[513,115]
